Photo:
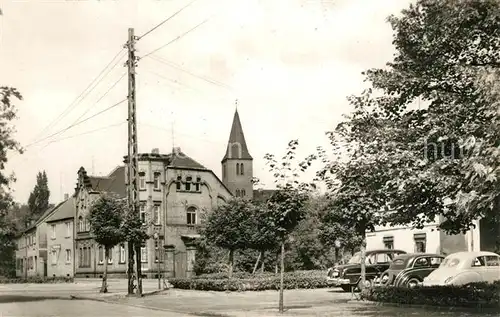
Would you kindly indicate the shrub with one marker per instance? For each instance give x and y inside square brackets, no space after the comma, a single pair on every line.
[243,281]
[483,295]
[36,280]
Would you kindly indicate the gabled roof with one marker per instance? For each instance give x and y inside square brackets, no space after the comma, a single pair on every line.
[237,146]
[113,183]
[64,210]
[44,216]
[178,159]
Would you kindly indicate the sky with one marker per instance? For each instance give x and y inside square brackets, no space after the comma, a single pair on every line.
[289,63]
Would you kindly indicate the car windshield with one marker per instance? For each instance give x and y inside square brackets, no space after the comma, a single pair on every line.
[373,258]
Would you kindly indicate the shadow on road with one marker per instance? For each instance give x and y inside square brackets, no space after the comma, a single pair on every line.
[25,298]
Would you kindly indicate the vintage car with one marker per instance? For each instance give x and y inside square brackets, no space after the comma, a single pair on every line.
[466,267]
[348,276]
[409,270]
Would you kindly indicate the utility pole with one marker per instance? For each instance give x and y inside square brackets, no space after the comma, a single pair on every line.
[132,166]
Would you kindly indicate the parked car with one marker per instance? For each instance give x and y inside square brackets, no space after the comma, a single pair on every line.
[348,276]
[466,267]
[409,270]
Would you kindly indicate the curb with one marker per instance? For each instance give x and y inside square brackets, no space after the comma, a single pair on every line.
[441,308]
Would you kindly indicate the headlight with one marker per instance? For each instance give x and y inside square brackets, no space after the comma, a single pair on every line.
[385,278]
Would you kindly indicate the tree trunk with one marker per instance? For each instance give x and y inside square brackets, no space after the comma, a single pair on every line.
[282,273]
[231,263]
[262,266]
[130,268]
[138,269]
[363,260]
[276,270]
[104,287]
[257,262]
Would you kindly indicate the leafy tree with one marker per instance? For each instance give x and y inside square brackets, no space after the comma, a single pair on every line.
[447,56]
[286,207]
[227,227]
[106,219]
[38,201]
[7,143]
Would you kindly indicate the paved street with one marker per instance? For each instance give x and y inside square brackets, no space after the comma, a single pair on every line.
[41,300]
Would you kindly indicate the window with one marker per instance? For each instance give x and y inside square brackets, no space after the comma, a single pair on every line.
[178,183]
[142,212]
[53,231]
[80,224]
[110,256]
[421,262]
[388,242]
[197,184]
[142,180]
[144,254]
[243,193]
[80,257]
[237,168]
[156,180]
[34,239]
[188,183]
[435,262]
[156,214]
[191,216]
[54,257]
[420,242]
[492,260]
[68,229]
[242,169]
[101,255]
[478,262]
[87,225]
[68,256]
[237,193]
[158,250]
[122,254]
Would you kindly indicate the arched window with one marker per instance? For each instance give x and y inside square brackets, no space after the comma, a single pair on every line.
[242,193]
[242,169]
[87,225]
[237,168]
[80,224]
[191,215]
[237,193]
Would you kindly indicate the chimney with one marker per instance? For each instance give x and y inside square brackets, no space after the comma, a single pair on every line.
[155,151]
[66,196]
[176,150]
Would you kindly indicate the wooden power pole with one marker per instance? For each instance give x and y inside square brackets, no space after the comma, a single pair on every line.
[132,166]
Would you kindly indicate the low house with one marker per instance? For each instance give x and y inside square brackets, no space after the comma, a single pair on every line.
[60,241]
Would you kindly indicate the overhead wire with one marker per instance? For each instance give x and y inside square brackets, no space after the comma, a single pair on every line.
[78,123]
[177,38]
[84,93]
[167,19]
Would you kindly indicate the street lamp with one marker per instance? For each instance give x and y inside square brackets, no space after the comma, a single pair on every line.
[157,250]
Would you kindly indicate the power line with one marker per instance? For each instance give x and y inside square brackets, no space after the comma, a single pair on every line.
[177,38]
[83,133]
[205,78]
[83,94]
[167,19]
[77,123]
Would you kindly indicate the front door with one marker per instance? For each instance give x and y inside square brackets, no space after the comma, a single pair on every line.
[180,264]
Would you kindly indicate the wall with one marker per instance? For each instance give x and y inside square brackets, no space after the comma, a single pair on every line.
[404,238]
[63,241]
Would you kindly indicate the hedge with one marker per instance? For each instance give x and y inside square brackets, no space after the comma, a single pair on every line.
[36,280]
[474,295]
[246,282]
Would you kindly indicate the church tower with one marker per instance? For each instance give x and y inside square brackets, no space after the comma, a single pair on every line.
[237,164]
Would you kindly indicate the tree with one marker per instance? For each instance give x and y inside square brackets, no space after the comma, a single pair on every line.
[286,207]
[447,56]
[7,144]
[106,219]
[38,201]
[227,227]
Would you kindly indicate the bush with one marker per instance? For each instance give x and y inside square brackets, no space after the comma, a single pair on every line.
[477,295]
[36,280]
[243,281]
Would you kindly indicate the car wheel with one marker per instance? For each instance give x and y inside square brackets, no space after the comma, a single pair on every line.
[413,282]
[346,288]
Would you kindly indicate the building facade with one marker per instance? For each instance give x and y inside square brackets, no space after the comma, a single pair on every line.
[60,240]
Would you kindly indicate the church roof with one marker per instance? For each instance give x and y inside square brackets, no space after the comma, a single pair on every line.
[237,141]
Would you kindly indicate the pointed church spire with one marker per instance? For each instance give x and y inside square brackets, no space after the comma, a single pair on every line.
[237,146]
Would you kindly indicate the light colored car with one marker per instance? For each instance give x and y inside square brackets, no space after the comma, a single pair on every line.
[466,267]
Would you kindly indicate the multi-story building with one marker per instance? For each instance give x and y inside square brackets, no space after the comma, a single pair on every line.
[31,254]
[60,241]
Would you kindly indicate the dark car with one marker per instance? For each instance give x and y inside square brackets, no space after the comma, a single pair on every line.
[409,270]
[348,276]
